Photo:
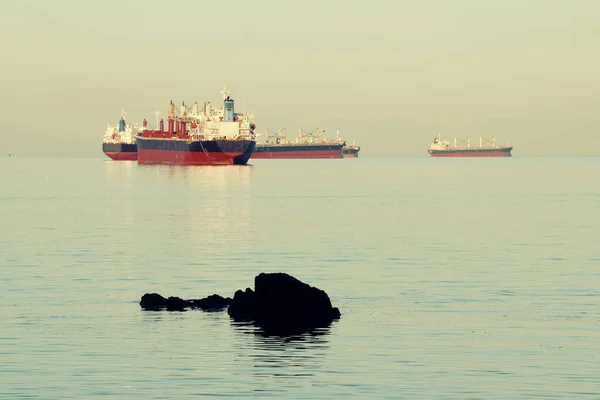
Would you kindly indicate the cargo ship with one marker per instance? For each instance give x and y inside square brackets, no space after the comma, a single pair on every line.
[306,145]
[351,151]
[462,148]
[208,136]
[118,142]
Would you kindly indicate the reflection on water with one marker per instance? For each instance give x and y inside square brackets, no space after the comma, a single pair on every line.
[119,182]
[210,201]
[119,173]
[218,209]
[219,177]
[283,356]
[249,328]
[202,209]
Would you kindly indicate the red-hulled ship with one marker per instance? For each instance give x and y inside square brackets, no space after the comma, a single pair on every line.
[118,143]
[441,148]
[306,145]
[214,137]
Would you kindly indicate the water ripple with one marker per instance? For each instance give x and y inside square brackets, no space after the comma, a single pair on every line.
[449,290]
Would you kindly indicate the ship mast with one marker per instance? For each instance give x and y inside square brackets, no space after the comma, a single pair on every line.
[225,91]
[157,113]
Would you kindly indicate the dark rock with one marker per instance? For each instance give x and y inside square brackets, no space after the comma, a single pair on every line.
[153,301]
[212,303]
[283,304]
[279,305]
[156,302]
[177,304]
[242,307]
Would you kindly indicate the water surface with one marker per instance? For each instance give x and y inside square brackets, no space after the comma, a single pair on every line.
[467,278]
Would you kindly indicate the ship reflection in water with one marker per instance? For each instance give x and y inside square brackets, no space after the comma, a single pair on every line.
[119,178]
[206,207]
[219,202]
[203,177]
[290,356]
[119,174]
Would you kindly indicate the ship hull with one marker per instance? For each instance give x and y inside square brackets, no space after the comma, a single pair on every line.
[350,152]
[185,152]
[499,152]
[298,151]
[120,151]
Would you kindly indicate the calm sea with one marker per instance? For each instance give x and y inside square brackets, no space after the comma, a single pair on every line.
[456,279]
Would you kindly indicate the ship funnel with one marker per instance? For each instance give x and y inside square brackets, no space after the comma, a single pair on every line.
[228,109]
[121,125]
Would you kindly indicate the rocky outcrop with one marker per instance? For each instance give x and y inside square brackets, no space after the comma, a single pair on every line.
[279,304]
[156,302]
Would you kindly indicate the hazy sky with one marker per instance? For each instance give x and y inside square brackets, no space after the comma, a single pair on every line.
[390,74]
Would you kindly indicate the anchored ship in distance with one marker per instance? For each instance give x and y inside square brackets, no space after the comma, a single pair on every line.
[305,145]
[462,148]
[351,151]
[118,142]
[206,136]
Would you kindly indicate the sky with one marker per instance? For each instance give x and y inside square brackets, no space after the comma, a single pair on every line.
[390,75]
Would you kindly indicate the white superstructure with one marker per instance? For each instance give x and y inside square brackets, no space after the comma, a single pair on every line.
[443,144]
[123,133]
[304,137]
[208,123]
[439,144]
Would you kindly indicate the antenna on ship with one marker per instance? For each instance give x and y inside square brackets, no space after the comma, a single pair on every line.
[225,91]
[157,113]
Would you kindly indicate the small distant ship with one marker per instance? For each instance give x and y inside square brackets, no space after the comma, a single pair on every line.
[462,148]
[119,143]
[306,145]
[351,151]
[215,136]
